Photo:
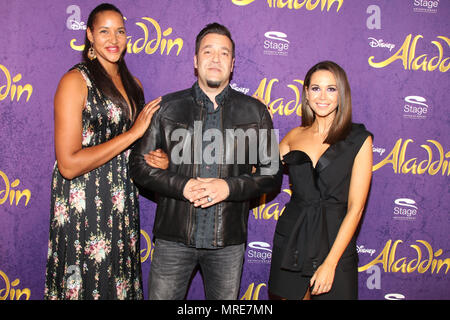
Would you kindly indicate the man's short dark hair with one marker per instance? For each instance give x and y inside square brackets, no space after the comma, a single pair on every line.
[213,28]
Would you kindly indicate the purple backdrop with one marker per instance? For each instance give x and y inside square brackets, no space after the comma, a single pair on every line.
[396,54]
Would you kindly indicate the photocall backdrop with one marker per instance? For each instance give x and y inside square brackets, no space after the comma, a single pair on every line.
[396,55]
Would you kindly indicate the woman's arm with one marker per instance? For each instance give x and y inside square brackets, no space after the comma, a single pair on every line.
[284,146]
[359,188]
[74,160]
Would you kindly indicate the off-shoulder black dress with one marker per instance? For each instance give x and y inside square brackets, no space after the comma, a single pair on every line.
[309,225]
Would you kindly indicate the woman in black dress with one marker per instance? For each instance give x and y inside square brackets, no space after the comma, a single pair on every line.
[330,168]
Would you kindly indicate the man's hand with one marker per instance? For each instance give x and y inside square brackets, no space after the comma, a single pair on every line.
[206,192]
[190,191]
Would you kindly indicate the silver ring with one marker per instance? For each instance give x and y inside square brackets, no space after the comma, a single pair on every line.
[209,199]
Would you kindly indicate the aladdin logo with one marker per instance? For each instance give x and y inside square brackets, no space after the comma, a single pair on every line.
[296,4]
[374,43]
[147,245]
[276,43]
[427,6]
[7,191]
[11,88]
[415,107]
[279,105]
[10,290]
[252,293]
[423,258]
[154,39]
[271,211]
[259,252]
[411,61]
[433,163]
[405,209]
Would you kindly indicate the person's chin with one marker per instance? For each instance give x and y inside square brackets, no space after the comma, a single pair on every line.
[213,83]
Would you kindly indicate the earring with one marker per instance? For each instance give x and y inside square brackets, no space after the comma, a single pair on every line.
[91,53]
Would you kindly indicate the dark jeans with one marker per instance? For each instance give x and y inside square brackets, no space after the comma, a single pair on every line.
[173,264]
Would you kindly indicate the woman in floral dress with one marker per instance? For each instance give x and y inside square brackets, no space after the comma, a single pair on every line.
[93,250]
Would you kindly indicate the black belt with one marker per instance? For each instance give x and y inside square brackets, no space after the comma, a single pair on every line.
[308,243]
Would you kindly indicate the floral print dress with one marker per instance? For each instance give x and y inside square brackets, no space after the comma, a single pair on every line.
[93,249]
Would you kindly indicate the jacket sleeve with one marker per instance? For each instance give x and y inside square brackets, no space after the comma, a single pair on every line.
[269,174]
[165,182]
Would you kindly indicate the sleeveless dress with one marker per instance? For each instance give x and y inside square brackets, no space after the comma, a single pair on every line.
[305,232]
[93,249]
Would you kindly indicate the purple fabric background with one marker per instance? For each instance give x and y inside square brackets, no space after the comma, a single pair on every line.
[414,234]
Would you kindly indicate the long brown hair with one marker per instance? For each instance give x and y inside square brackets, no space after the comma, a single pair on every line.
[101,78]
[342,122]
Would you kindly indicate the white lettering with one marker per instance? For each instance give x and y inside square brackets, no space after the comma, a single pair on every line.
[378,150]
[374,43]
[204,311]
[361,249]
[243,90]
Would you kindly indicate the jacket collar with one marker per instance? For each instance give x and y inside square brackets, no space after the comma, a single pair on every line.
[202,99]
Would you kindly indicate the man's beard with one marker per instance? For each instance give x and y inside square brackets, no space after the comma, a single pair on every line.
[213,84]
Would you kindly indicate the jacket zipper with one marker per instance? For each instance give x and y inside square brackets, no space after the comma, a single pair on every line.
[194,172]
[219,205]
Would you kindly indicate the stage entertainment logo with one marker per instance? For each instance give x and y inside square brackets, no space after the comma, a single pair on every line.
[405,209]
[259,252]
[425,6]
[415,108]
[276,43]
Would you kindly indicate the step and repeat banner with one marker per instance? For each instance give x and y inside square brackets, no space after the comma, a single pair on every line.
[396,55]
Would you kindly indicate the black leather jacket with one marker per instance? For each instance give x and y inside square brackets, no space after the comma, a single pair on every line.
[175,215]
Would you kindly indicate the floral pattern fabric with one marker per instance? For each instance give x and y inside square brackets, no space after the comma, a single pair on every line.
[93,248]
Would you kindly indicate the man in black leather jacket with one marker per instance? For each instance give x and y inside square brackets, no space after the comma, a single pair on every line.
[223,152]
